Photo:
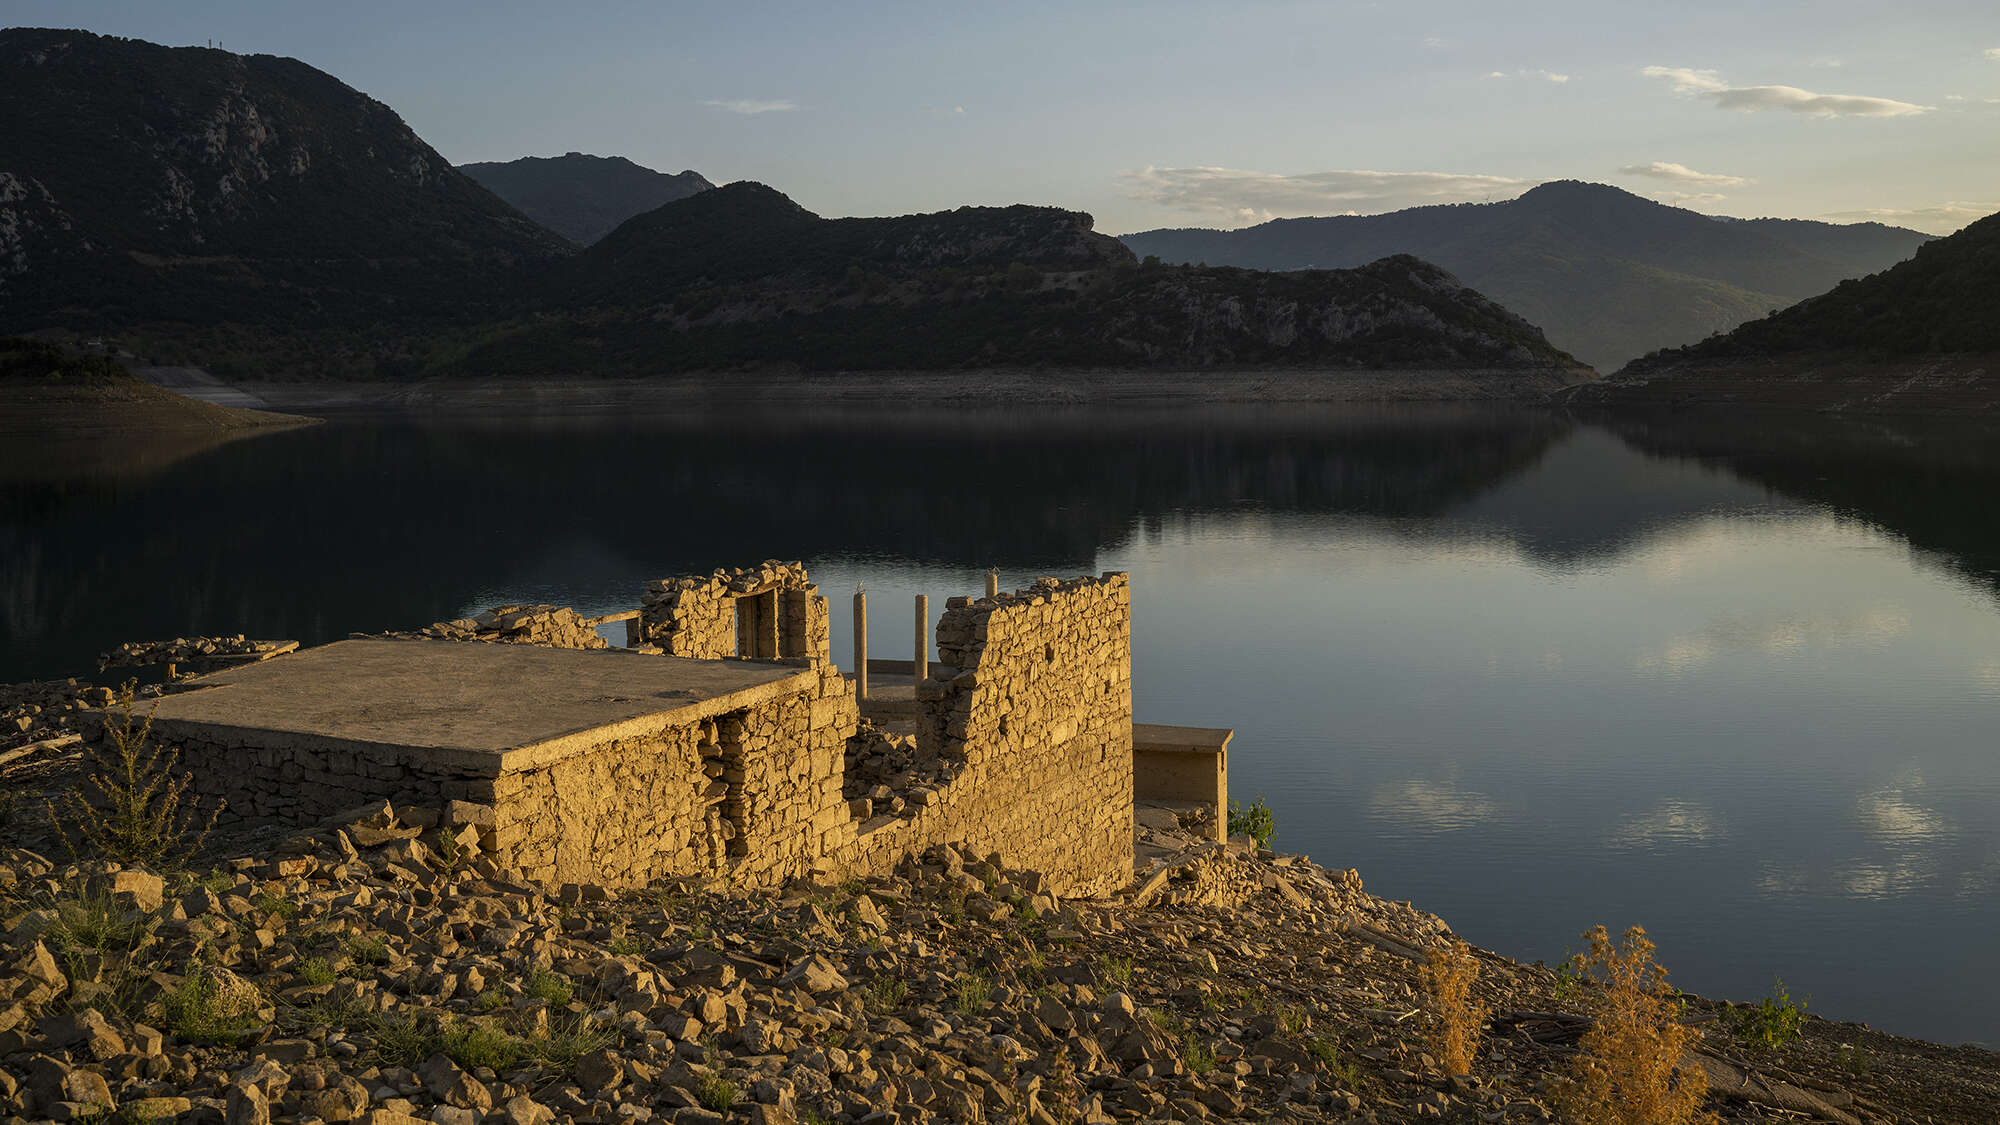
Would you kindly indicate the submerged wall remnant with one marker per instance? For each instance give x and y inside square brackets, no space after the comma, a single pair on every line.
[621,767]
[770,611]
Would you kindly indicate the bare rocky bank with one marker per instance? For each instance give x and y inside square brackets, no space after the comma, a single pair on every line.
[999,387]
[1832,382]
[383,968]
[54,411]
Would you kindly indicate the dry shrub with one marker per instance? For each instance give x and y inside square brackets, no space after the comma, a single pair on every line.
[132,806]
[1456,1019]
[1629,1070]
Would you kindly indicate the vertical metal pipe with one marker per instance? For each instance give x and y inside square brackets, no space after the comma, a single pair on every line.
[923,664]
[860,644]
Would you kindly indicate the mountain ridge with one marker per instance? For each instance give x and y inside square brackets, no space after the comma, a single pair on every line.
[743,276]
[190,181]
[1558,252]
[580,196]
[1917,337]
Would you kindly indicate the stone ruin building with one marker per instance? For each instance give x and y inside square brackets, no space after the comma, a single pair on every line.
[724,743]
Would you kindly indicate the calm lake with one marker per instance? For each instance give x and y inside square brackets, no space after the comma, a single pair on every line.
[1736,681]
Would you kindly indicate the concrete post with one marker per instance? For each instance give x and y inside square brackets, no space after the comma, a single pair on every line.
[993,583]
[860,645]
[923,650]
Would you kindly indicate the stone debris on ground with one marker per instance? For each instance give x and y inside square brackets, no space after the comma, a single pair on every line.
[383,968]
[51,712]
[193,654]
[549,625]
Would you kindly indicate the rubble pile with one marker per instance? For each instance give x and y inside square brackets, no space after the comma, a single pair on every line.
[40,710]
[386,969]
[553,626]
[192,653]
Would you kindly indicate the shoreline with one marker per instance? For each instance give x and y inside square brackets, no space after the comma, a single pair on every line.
[979,387]
[63,412]
[1827,382]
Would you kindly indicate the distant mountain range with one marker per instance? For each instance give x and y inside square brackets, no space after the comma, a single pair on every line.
[251,214]
[142,183]
[256,216]
[1923,336]
[743,276]
[1608,275]
[582,197]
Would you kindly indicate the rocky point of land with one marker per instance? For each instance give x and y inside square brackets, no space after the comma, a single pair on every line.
[383,968]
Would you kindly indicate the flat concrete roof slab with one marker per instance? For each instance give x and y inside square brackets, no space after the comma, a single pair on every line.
[482,707]
[1193,740]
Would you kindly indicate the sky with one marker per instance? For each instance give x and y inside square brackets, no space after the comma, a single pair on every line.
[1218,114]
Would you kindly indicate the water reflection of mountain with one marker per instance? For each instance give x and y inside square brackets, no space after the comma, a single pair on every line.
[362,526]
[1931,482]
[314,533]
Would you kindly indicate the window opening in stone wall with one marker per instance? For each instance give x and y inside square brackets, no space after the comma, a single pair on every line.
[757,626]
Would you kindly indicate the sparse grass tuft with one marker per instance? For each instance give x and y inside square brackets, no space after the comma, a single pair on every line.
[473,1045]
[132,805]
[368,949]
[571,1036]
[974,992]
[1199,1055]
[715,1092]
[885,994]
[549,986]
[1115,970]
[99,941]
[1456,1019]
[405,1038]
[1629,1069]
[1327,1051]
[316,971]
[212,1006]
[1293,1019]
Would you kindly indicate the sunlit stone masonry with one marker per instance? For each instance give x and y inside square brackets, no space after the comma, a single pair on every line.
[718,749]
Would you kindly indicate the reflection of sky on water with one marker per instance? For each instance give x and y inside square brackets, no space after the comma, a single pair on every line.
[1757,730]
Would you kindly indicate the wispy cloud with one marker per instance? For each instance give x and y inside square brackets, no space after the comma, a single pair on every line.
[752,105]
[1544,75]
[1256,196]
[1944,218]
[1681,174]
[1710,85]
[1690,198]
[1992,53]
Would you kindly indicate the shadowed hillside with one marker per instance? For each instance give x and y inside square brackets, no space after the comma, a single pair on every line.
[582,197]
[1921,337]
[1607,274]
[141,182]
[741,276]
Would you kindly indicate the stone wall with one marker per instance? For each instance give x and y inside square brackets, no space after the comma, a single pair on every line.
[769,611]
[1032,702]
[307,779]
[1029,710]
[738,796]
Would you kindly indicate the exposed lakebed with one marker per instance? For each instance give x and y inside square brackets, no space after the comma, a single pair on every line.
[1735,681]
